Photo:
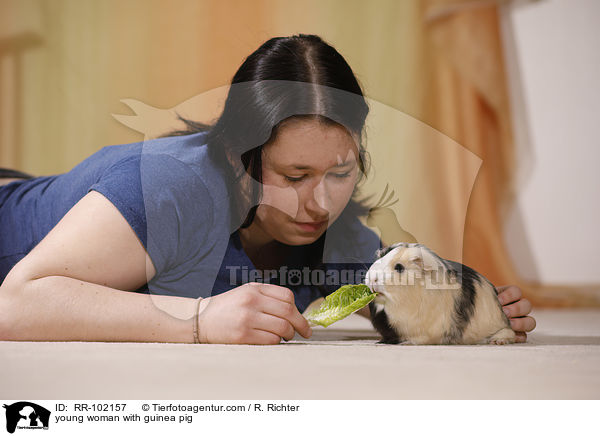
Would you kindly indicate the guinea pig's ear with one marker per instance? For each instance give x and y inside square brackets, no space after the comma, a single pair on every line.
[417,257]
[385,250]
[417,260]
[379,253]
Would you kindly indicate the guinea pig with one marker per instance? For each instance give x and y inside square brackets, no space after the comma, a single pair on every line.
[424,299]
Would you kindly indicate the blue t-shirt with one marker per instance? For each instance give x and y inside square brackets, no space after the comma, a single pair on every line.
[176,199]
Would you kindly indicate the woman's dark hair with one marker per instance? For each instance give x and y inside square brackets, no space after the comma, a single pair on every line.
[299,77]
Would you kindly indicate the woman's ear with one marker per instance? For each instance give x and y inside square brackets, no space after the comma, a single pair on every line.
[231,159]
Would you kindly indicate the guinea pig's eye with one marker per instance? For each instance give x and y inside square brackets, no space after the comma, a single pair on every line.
[399,267]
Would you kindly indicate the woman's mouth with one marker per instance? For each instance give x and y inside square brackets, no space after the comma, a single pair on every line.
[311,227]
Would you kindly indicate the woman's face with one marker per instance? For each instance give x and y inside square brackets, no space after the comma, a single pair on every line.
[309,173]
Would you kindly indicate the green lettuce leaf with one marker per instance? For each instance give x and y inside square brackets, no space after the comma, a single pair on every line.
[341,303]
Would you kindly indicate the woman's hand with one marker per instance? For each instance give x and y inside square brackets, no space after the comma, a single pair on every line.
[254,313]
[516,309]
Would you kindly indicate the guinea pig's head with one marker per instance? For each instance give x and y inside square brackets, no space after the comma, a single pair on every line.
[399,268]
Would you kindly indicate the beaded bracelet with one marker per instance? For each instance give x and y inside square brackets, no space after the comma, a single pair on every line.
[196,338]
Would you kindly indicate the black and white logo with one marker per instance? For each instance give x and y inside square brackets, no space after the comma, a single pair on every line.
[26,415]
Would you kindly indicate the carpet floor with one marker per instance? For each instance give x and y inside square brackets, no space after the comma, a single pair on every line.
[560,360]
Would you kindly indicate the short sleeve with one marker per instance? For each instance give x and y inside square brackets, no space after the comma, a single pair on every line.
[121,185]
[179,211]
[167,205]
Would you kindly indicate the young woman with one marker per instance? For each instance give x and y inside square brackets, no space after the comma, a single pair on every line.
[216,234]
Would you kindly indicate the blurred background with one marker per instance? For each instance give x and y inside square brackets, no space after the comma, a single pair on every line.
[508,89]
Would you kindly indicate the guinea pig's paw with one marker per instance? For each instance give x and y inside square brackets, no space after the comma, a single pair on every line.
[500,341]
[503,336]
[409,343]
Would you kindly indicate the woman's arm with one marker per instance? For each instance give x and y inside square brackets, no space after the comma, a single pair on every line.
[59,308]
[73,285]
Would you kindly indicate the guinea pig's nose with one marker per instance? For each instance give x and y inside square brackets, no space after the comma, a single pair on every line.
[371,277]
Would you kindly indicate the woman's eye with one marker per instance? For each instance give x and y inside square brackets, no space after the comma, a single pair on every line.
[342,175]
[336,175]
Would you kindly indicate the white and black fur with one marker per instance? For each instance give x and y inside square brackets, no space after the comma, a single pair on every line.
[424,299]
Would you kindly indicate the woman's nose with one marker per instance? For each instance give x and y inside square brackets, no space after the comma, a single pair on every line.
[318,201]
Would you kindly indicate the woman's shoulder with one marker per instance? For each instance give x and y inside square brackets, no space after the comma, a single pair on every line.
[158,166]
[164,182]
[179,157]
[188,149]
[176,195]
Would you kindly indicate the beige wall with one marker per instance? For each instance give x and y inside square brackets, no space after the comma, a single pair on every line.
[557,209]
[85,56]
